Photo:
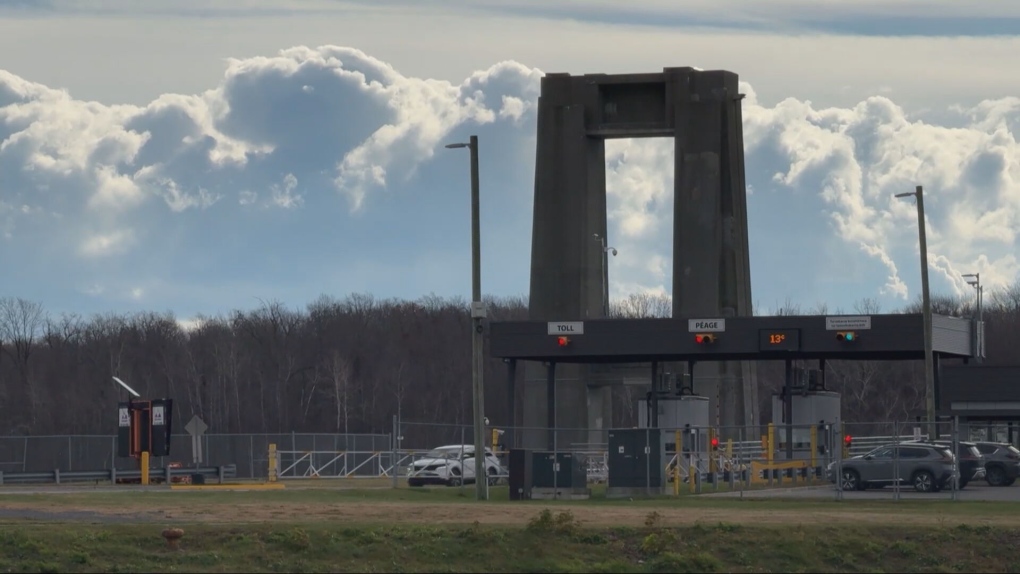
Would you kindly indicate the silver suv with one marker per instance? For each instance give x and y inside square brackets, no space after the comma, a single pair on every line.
[1002,462]
[927,467]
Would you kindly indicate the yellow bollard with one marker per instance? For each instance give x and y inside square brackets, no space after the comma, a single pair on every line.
[691,477]
[771,443]
[145,467]
[272,462]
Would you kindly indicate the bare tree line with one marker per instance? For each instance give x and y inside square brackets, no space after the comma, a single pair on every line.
[348,365]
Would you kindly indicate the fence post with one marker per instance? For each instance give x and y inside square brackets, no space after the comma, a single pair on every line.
[393,451]
[896,463]
[70,465]
[956,457]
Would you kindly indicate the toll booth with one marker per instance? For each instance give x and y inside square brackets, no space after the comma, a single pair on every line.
[810,413]
[144,426]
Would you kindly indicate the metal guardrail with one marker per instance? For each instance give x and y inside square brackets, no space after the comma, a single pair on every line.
[113,475]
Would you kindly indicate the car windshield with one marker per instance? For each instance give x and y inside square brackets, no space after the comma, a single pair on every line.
[446,453]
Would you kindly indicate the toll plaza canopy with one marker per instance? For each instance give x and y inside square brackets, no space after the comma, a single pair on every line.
[863,337]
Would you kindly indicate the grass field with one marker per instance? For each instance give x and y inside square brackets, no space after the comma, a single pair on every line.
[445,530]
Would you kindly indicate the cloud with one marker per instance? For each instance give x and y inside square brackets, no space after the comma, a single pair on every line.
[847,163]
[302,171]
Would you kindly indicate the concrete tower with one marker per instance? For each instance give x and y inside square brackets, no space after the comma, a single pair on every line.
[701,111]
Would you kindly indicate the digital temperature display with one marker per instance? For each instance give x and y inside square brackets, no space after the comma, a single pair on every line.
[779,340]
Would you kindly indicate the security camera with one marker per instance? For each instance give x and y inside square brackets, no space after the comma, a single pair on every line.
[614,252]
[486,420]
[596,235]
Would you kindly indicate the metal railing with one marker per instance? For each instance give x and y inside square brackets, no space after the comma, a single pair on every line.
[113,475]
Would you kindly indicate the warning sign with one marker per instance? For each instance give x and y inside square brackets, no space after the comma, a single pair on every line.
[125,418]
[157,415]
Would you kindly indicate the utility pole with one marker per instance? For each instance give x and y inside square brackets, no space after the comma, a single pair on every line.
[929,360]
[477,327]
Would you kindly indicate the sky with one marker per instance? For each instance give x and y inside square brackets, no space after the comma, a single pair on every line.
[199,157]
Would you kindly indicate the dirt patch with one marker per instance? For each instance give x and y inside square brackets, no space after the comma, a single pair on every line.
[456,513]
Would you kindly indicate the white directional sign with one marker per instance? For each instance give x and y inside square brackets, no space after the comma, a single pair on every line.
[196,427]
[157,415]
[566,328]
[706,325]
[848,323]
[125,418]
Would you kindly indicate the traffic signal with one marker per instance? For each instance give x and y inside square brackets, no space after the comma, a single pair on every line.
[704,339]
[847,443]
[715,444]
[848,336]
[563,341]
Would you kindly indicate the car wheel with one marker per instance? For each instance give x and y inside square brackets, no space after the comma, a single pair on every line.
[923,481]
[455,478]
[851,480]
[996,476]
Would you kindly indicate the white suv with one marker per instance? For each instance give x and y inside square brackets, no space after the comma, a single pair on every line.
[450,465]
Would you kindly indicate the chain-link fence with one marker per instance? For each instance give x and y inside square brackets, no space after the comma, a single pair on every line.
[837,459]
[853,459]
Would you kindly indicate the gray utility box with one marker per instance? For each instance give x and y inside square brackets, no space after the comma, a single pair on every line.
[809,409]
[563,471]
[676,412]
[637,461]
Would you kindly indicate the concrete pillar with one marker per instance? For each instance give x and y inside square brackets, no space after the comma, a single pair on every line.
[711,267]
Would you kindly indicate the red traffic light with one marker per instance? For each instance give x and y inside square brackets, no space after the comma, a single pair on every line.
[715,443]
[704,339]
[848,439]
[562,341]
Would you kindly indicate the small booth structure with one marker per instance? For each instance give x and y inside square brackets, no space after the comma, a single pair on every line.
[144,431]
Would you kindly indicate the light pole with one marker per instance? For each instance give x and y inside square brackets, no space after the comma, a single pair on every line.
[929,361]
[605,273]
[974,280]
[477,315]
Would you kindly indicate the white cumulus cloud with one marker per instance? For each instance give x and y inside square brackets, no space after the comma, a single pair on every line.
[246,177]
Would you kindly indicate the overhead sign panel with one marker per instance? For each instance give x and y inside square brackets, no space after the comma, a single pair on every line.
[566,328]
[706,325]
[848,323]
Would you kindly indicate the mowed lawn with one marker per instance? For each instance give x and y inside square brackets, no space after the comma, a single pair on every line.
[330,529]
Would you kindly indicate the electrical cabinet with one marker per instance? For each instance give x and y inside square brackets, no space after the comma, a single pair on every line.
[637,458]
[558,470]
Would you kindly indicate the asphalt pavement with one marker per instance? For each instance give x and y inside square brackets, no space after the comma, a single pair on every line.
[973,492]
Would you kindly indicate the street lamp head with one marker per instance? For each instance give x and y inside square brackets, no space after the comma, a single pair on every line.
[613,250]
[909,194]
[456,145]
